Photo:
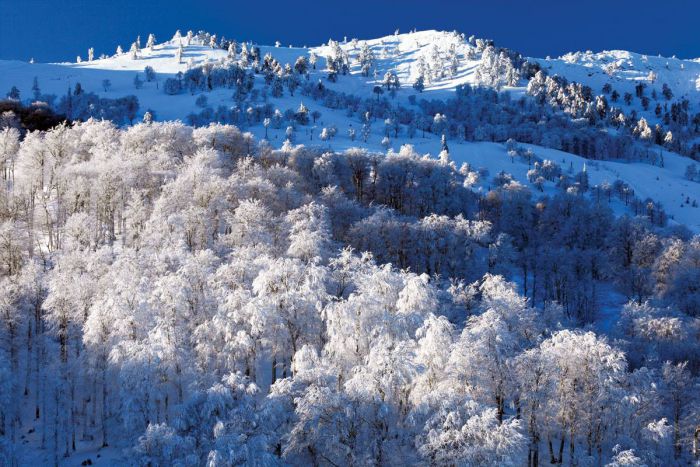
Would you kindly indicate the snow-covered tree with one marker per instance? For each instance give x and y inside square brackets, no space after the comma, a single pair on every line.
[151,43]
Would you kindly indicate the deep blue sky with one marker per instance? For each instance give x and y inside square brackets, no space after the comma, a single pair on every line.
[54,30]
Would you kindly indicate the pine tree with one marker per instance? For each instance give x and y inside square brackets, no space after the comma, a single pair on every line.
[277,89]
[179,53]
[419,84]
[366,59]
[453,59]
[302,114]
[150,73]
[244,60]
[423,69]
[151,43]
[35,89]
[301,65]
[366,131]
[231,50]
[13,93]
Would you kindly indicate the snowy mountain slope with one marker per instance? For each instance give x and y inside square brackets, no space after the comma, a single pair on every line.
[120,70]
[628,69]
[624,70]
[399,53]
[405,55]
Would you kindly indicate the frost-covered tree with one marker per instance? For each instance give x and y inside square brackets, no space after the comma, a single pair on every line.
[179,53]
[419,83]
[192,296]
[366,59]
[151,42]
[134,51]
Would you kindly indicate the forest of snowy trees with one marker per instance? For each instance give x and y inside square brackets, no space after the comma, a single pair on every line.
[180,294]
[193,296]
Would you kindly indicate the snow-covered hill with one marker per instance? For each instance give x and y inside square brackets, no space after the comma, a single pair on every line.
[623,71]
[400,53]
[408,55]
[627,69]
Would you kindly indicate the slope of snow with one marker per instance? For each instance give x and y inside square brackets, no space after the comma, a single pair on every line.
[624,70]
[628,69]
[398,53]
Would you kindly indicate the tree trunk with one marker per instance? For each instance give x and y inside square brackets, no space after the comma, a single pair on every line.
[676,430]
[534,285]
[104,407]
[572,447]
[500,408]
[28,373]
[274,370]
[561,449]
[73,415]
[552,458]
[55,427]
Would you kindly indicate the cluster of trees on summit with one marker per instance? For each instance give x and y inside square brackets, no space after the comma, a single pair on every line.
[192,296]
